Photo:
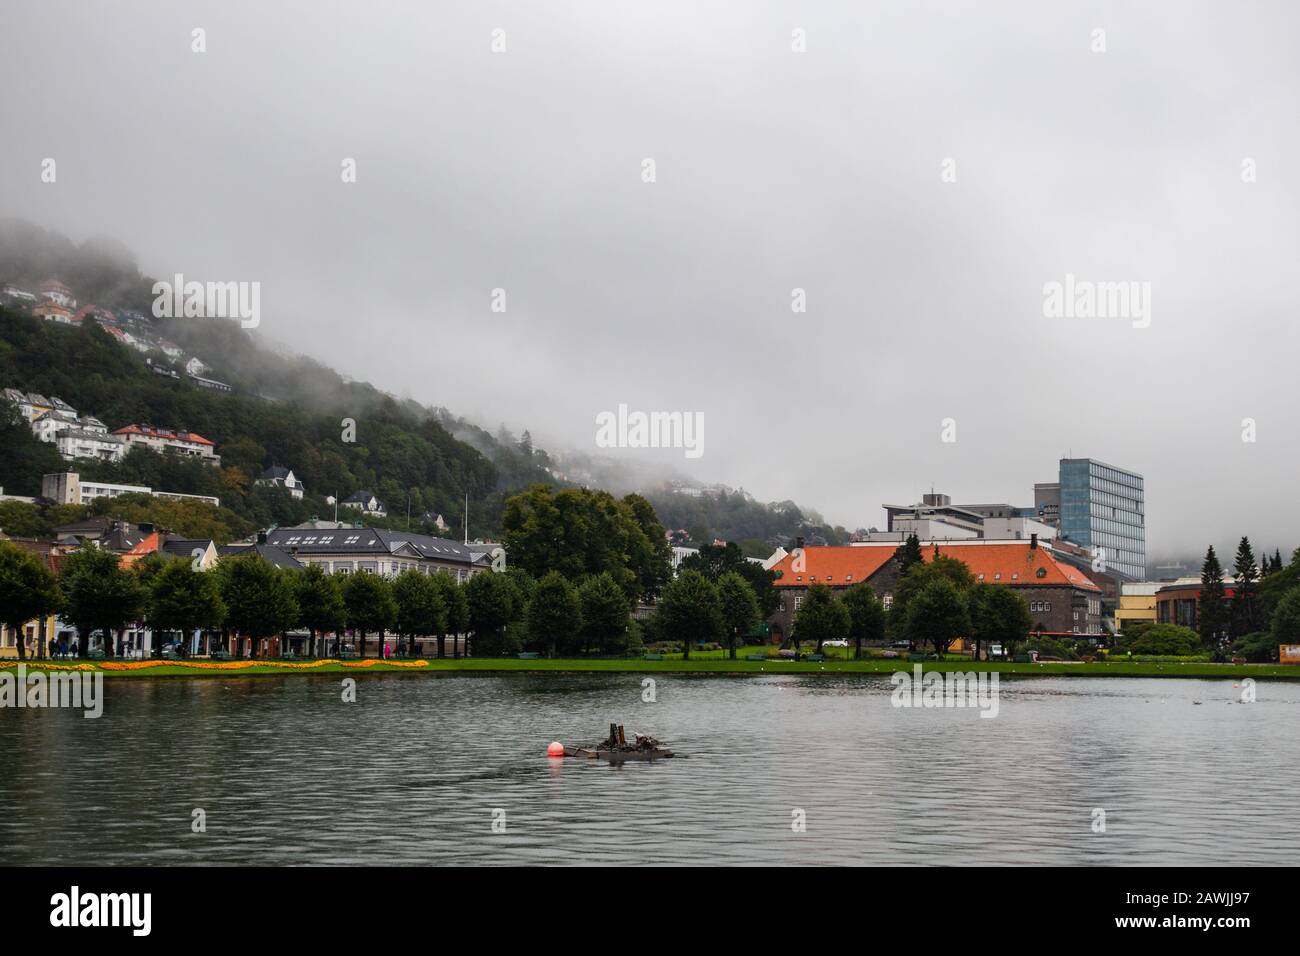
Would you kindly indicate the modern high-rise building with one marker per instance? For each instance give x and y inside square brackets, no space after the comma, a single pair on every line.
[1104,507]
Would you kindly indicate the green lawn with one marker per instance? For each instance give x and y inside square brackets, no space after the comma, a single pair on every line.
[718,664]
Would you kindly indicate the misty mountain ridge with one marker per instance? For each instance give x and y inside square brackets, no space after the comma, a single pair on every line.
[103,272]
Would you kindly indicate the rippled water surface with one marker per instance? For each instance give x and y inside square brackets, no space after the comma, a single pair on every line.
[410,774]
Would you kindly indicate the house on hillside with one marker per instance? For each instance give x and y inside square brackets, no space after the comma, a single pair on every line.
[211,383]
[365,502]
[52,290]
[280,477]
[165,440]
[52,312]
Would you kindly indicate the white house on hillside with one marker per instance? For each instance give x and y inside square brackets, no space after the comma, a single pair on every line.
[283,478]
[364,501]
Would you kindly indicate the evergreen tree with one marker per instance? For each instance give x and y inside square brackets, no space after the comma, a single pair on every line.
[1246,599]
[908,554]
[1212,612]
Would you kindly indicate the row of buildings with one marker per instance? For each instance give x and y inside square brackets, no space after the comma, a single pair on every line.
[338,548]
[53,301]
[76,436]
[1069,555]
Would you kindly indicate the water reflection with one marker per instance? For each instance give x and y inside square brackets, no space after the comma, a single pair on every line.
[289,774]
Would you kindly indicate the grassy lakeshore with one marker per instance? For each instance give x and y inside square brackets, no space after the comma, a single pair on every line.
[205,669]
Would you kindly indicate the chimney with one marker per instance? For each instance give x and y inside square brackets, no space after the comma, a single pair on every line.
[261,537]
[798,542]
[1033,541]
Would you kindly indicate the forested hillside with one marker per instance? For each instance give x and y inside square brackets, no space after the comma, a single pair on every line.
[289,410]
[399,450]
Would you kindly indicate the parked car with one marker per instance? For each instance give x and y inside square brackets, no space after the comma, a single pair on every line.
[835,643]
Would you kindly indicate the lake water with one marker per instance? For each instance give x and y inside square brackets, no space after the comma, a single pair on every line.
[287,773]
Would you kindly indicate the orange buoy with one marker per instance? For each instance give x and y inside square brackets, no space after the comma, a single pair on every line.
[556,749]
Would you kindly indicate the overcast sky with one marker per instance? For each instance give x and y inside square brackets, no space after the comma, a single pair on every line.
[774,170]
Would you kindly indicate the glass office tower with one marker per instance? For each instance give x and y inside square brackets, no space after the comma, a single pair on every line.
[1104,507]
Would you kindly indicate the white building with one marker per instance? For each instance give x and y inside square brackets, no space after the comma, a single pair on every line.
[67,488]
[74,443]
[366,502]
[279,477]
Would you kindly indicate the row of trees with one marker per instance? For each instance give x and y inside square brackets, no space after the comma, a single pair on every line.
[1264,610]
[245,597]
[935,603]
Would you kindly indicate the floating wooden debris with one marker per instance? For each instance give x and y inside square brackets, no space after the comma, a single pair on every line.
[616,749]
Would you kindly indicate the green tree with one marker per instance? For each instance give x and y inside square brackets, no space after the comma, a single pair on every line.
[577,532]
[493,602]
[917,577]
[690,610]
[866,615]
[937,615]
[653,564]
[419,606]
[25,458]
[28,591]
[447,591]
[1166,639]
[180,598]
[1285,626]
[320,604]
[605,613]
[554,614]
[261,600]
[820,618]
[740,610]
[1245,601]
[715,560]
[457,613]
[101,595]
[998,615]
[909,554]
[1212,609]
[368,600]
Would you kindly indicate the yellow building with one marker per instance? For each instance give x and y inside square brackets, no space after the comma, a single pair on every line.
[1137,604]
[31,635]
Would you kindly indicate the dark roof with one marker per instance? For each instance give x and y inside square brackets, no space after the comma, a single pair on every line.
[361,497]
[184,546]
[281,559]
[276,471]
[367,541]
[113,534]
